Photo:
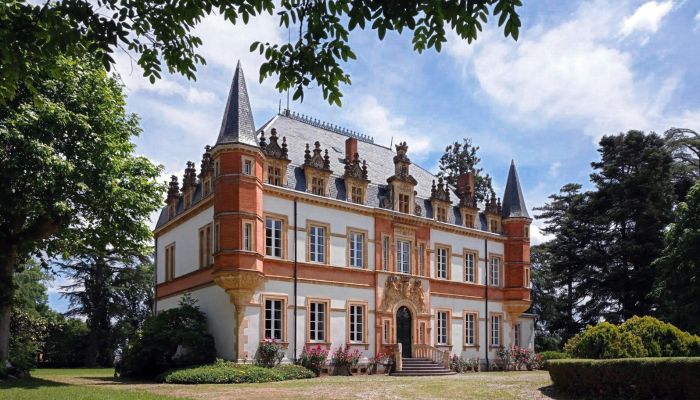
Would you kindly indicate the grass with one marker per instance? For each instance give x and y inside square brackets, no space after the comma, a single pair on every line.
[83,384]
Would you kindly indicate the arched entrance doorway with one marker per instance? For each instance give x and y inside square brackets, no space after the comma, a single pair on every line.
[403,330]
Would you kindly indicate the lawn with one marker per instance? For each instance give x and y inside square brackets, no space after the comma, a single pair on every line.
[80,384]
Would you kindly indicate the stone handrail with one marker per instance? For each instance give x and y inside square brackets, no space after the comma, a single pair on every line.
[426,351]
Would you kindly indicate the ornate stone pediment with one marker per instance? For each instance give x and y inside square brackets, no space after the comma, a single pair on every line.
[440,192]
[273,149]
[400,288]
[317,160]
[355,169]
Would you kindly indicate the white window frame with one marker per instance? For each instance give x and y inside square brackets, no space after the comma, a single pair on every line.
[357,323]
[421,259]
[386,243]
[248,166]
[517,335]
[273,324]
[442,331]
[495,272]
[470,329]
[442,257]
[403,256]
[470,267]
[274,234]
[317,243]
[247,236]
[317,321]
[496,327]
[357,249]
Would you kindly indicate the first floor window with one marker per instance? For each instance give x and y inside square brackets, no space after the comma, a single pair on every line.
[442,320]
[403,256]
[170,262]
[357,250]
[385,252]
[495,330]
[470,329]
[421,259]
[527,277]
[469,267]
[273,319]
[317,322]
[495,273]
[248,167]
[516,334]
[442,263]
[205,245]
[317,245]
[248,236]
[273,237]
[357,321]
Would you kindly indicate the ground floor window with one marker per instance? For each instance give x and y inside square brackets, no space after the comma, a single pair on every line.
[317,322]
[516,333]
[273,319]
[442,321]
[495,330]
[357,323]
[470,329]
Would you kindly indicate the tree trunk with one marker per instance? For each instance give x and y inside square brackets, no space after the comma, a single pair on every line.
[8,258]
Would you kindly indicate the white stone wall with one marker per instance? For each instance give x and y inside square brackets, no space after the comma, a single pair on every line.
[458,244]
[213,301]
[186,239]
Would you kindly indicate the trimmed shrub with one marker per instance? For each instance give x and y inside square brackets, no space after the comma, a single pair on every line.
[661,339]
[227,372]
[605,340]
[553,355]
[269,353]
[630,378]
[174,338]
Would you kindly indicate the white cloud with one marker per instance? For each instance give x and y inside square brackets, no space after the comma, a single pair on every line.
[647,18]
[572,73]
[554,168]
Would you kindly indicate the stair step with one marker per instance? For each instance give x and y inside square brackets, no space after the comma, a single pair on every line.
[422,367]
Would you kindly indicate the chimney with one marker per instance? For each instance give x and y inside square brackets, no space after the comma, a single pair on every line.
[350,148]
[465,183]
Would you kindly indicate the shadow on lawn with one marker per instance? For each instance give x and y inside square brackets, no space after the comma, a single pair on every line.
[30,383]
[552,393]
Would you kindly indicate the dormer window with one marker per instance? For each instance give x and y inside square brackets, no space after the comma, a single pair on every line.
[206,186]
[493,226]
[404,203]
[317,170]
[318,186]
[357,196]
[276,159]
[468,220]
[274,175]
[171,210]
[442,214]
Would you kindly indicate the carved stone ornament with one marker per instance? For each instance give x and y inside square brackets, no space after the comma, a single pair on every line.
[440,192]
[356,169]
[317,160]
[273,149]
[400,288]
[239,284]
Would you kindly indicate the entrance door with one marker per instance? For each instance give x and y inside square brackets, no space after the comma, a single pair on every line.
[403,330]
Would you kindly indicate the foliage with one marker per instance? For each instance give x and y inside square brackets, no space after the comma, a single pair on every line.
[176,337]
[313,358]
[684,146]
[515,358]
[85,182]
[343,356]
[162,37]
[605,340]
[460,158]
[678,268]
[269,353]
[228,372]
[631,378]
[553,355]
[460,364]
[65,337]
[661,339]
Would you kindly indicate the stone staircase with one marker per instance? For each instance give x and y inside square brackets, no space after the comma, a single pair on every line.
[421,367]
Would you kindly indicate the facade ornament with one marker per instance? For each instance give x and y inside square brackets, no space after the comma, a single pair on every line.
[263,142]
[189,180]
[173,189]
[356,170]
[440,192]
[400,288]
[316,160]
[273,149]
[207,162]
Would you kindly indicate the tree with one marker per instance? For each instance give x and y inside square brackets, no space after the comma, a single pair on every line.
[678,268]
[633,201]
[460,158]
[565,268]
[68,170]
[684,146]
[160,34]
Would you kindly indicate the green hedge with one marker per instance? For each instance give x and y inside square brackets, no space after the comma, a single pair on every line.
[553,355]
[225,372]
[629,378]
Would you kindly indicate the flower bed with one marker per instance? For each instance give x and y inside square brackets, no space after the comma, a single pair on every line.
[228,372]
[629,378]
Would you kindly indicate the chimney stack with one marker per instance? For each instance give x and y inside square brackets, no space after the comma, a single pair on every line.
[465,183]
[350,149]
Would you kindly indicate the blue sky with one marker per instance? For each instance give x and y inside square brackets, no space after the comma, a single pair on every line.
[580,70]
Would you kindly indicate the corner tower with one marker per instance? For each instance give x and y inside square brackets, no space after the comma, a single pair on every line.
[238,204]
[516,226]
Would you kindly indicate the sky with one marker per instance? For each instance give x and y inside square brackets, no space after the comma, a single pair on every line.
[579,70]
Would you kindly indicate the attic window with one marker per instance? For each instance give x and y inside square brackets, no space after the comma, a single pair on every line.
[317,186]
[442,214]
[274,175]
[404,200]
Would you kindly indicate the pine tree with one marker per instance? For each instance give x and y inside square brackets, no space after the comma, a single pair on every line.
[460,158]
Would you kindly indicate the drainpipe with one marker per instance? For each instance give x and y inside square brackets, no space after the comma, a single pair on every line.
[295,281]
[486,300]
[155,278]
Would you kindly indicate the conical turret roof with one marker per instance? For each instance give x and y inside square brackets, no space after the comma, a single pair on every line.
[237,125]
[513,200]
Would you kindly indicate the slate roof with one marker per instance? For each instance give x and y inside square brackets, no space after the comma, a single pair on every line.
[237,125]
[513,200]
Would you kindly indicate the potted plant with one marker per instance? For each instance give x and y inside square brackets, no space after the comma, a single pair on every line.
[344,360]
[313,358]
[380,360]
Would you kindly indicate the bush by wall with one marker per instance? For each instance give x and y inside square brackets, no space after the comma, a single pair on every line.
[227,372]
[553,355]
[605,341]
[174,338]
[630,378]
[661,339]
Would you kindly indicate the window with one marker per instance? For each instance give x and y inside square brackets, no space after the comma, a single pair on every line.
[273,237]
[468,220]
[273,319]
[442,260]
[442,320]
[385,252]
[356,195]
[357,323]
[495,273]
[247,236]
[526,234]
[470,329]
[357,249]
[317,186]
[495,331]
[317,243]
[171,209]
[403,203]
[494,226]
[170,262]
[470,267]
[403,256]
[217,168]
[205,241]
[527,278]
[387,331]
[421,333]
[516,334]
[247,166]
[207,186]
[216,237]
[421,259]
[274,175]
[442,214]
[317,322]
[188,200]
